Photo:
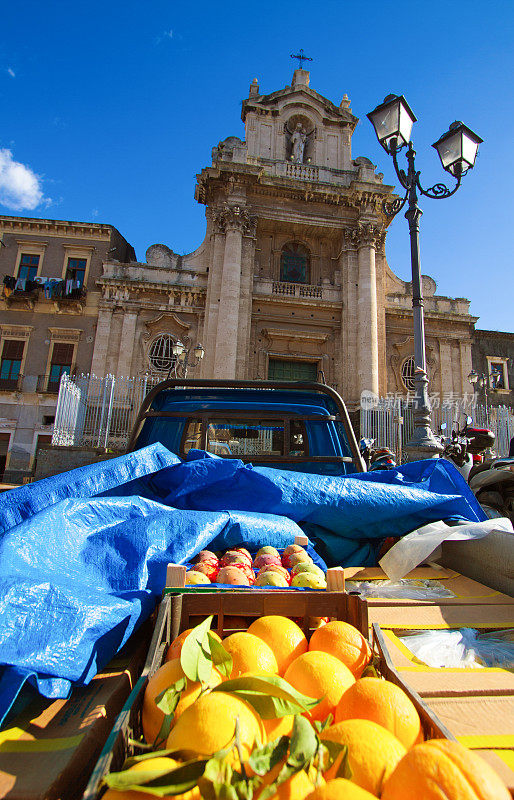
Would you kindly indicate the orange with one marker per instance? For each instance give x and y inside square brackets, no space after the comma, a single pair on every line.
[373,752]
[250,654]
[153,763]
[275,728]
[285,638]
[320,675]
[338,789]
[208,725]
[384,703]
[439,769]
[345,642]
[176,645]
[296,788]
[166,676]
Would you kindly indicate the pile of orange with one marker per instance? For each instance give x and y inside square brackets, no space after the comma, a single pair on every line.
[382,752]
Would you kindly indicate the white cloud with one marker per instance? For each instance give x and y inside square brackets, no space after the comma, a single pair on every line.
[94,212]
[165,35]
[11,72]
[20,187]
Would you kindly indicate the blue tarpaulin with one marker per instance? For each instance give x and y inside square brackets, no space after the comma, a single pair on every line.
[83,555]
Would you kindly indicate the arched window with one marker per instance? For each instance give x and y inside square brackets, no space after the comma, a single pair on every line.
[295,263]
[160,355]
[408,368]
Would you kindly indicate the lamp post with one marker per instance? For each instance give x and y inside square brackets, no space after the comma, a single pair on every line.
[393,120]
[485,382]
[184,359]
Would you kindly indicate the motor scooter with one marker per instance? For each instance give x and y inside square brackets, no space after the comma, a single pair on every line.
[465,446]
[376,458]
[492,483]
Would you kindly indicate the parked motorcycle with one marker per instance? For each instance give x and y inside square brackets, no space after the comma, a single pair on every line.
[376,458]
[465,447]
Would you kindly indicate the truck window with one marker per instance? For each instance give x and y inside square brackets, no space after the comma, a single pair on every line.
[226,437]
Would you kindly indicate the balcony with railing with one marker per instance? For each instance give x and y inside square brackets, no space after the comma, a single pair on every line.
[49,384]
[11,384]
[304,291]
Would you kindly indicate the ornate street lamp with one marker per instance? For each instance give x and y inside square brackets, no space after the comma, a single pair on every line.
[184,359]
[393,120]
[485,382]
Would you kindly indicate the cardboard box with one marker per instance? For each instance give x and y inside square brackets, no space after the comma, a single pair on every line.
[485,724]
[48,751]
[465,590]
[444,681]
[399,615]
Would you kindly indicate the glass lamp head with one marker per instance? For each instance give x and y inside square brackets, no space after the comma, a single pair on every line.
[177,348]
[199,352]
[392,120]
[473,376]
[458,148]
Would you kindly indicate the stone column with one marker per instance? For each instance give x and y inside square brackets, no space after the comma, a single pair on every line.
[103,332]
[366,236]
[237,222]
[210,324]
[128,335]
[445,364]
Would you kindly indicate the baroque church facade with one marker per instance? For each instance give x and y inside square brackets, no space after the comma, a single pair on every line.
[291,280]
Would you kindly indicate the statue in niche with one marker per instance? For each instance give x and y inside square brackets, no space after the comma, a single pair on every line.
[298,139]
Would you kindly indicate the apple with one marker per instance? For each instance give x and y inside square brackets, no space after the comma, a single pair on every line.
[296,558]
[307,566]
[244,551]
[268,551]
[232,557]
[307,580]
[193,577]
[270,578]
[209,568]
[276,568]
[205,555]
[267,558]
[232,575]
[246,570]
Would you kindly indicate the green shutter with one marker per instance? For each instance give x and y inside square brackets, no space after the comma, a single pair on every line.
[291,370]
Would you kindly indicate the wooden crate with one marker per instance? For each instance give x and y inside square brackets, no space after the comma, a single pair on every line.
[233,612]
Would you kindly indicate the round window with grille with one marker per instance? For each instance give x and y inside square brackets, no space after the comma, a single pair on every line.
[160,355]
[408,368]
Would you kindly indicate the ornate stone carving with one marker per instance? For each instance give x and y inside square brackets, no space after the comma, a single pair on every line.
[366,234]
[227,217]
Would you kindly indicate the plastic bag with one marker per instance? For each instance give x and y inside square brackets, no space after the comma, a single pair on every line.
[420,544]
[406,588]
[463,648]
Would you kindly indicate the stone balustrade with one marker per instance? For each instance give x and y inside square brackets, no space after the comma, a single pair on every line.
[305,291]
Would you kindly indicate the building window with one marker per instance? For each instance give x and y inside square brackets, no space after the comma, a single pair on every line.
[280,370]
[160,355]
[60,363]
[76,271]
[295,263]
[10,365]
[408,368]
[499,373]
[28,267]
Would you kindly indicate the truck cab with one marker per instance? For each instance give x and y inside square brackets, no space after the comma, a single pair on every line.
[300,426]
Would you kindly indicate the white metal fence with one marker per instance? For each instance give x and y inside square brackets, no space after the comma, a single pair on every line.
[390,422]
[98,412]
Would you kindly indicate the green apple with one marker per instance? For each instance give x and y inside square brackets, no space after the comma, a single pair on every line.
[307,567]
[308,580]
[267,551]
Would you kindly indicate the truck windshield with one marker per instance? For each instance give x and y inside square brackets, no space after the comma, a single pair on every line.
[226,437]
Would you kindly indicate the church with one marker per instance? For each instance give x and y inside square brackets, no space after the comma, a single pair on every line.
[291,281]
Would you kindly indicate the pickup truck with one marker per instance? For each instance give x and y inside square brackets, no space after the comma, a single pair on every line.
[288,425]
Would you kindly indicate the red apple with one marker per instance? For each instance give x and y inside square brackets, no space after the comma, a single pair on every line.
[205,555]
[246,570]
[208,568]
[261,561]
[232,575]
[231,557]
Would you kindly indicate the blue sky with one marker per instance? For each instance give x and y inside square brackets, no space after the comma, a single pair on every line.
[113,108]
